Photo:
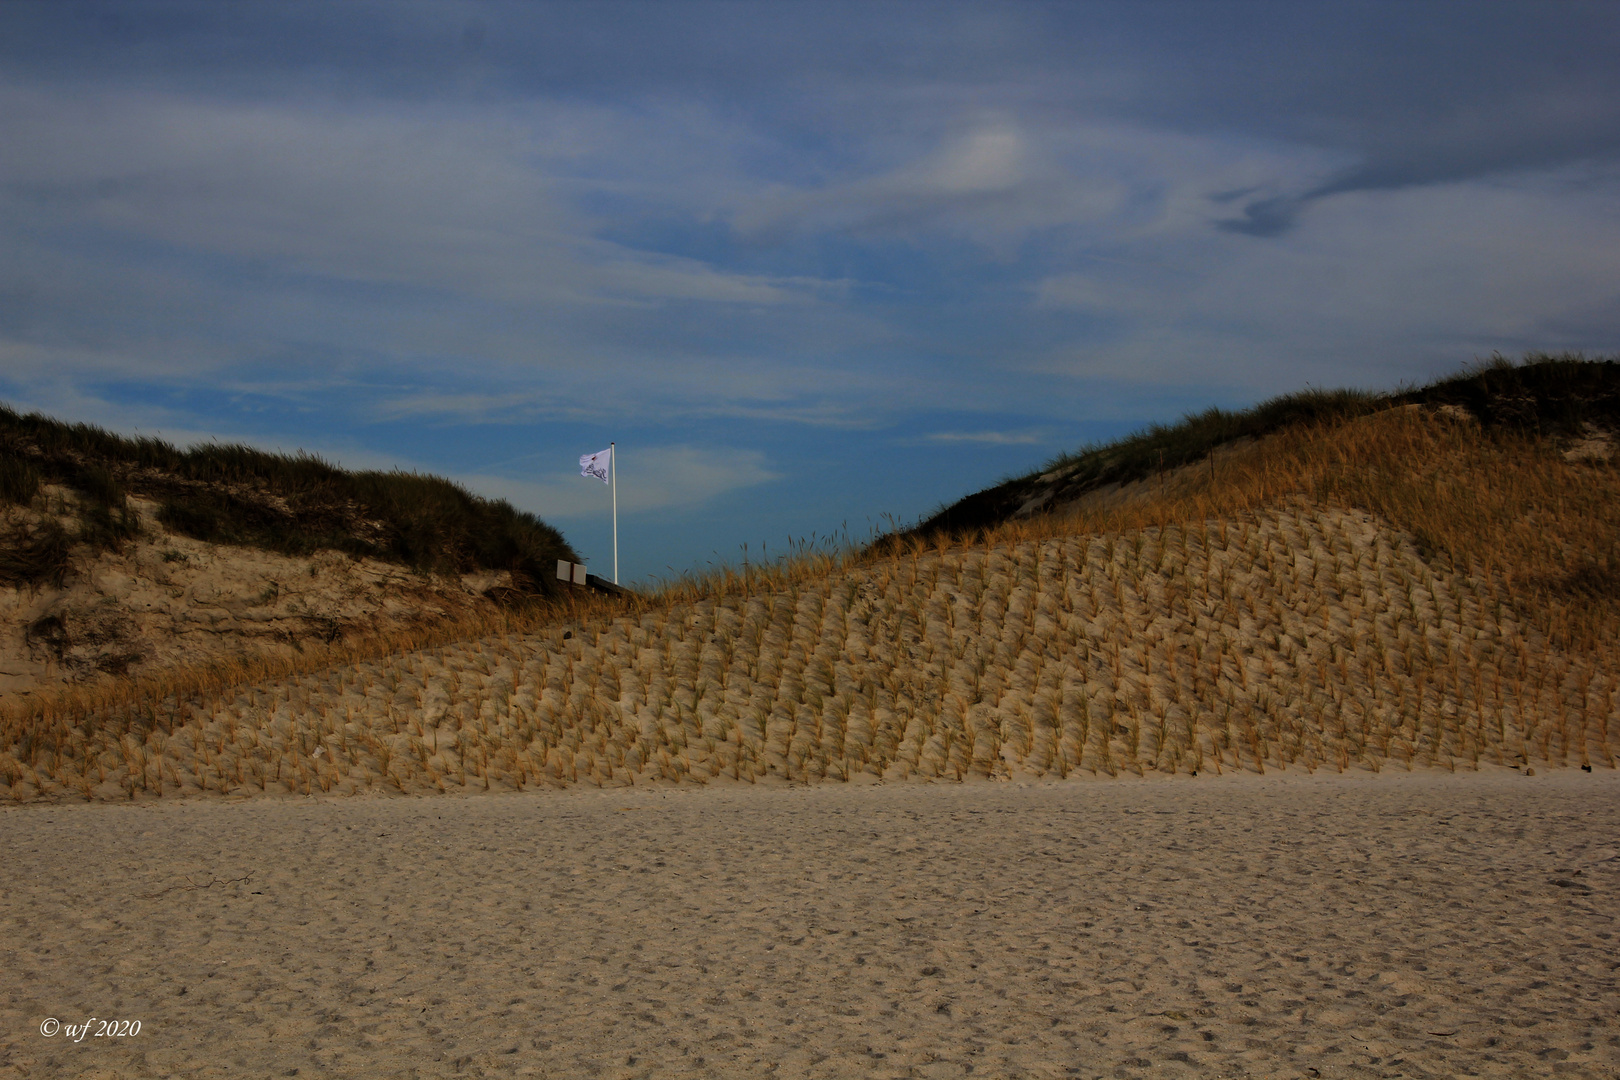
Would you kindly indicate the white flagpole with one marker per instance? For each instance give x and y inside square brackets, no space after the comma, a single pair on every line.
[613,474]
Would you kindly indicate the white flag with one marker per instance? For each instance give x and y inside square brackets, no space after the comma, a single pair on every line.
[597,464]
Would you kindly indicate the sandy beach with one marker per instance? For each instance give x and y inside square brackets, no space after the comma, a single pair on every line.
[1404,924]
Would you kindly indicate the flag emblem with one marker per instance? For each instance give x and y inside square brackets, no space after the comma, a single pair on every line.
[597,464]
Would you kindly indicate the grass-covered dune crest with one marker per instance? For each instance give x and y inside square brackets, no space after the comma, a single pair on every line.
[1564,397]
[295,504]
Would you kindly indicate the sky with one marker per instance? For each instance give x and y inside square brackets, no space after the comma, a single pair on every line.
[815,268]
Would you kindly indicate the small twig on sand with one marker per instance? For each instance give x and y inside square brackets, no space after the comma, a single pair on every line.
[190,885]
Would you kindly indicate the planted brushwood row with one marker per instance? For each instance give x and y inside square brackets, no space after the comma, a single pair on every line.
[1309,638]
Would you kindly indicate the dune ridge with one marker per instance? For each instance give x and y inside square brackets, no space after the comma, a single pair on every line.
[1398,590]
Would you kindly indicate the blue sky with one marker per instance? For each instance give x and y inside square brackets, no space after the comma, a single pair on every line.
[812,266]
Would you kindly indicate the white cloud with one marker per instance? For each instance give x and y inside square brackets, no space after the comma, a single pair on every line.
[1098,294]
[168,239]
[1370,287]
[480,203]
[997,181]
[739,388]
[988,438]
[650,478]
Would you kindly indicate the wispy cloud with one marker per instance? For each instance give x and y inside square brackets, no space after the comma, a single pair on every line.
[1373,287]
[987,438]
[649,478]
[452,201]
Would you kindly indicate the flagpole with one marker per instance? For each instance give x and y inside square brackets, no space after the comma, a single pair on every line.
[613,474]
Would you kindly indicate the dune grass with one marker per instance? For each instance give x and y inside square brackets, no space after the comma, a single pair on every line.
[1544,395]
[293,504]
[19,481]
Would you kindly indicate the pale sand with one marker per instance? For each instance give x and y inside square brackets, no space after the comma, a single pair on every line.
[1424,924]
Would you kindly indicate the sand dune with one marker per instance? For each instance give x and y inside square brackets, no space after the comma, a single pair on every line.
[1308,638]
[1423,924]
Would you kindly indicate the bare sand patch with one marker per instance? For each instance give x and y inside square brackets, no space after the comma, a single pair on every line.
[1402,924]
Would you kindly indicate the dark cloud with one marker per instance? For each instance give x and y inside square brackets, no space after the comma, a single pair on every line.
[1265,217]
[1415,94]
